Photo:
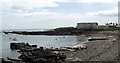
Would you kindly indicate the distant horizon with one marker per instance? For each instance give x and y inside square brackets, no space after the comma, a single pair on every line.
[51,28]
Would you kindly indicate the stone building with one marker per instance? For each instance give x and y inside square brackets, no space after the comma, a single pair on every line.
[87,25]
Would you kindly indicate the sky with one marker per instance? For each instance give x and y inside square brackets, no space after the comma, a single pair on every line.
[49,14]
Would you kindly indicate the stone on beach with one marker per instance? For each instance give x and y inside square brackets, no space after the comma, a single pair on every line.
[14,45]
[81,46]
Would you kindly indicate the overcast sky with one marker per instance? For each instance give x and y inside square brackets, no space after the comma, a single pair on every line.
[47,14]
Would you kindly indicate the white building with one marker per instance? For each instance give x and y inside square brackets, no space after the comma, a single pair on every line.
[87,25]
[111,24]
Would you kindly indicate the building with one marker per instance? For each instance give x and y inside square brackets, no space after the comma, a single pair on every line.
[111,24]
[87,25]
[118,25]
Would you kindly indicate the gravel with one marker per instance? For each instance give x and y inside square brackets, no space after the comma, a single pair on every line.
[100,50]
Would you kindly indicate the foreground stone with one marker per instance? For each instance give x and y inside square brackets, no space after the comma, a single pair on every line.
[32,54]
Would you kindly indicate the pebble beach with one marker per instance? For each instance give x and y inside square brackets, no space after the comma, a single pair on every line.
[99,50]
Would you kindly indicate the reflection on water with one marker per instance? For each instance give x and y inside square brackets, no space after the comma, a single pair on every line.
[40,40]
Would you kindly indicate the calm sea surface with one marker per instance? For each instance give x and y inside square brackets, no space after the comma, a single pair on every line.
[40,40]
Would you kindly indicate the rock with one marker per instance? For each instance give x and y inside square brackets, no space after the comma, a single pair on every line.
[22,45]
[32,54]
[80,46]
[34,46]
[5,61]
[18,60]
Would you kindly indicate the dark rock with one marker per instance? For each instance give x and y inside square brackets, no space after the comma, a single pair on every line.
[34,45]
[32,54]
[18,60]
[5,61]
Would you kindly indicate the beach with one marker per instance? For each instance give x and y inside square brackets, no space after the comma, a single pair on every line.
[99,50]
[96,50]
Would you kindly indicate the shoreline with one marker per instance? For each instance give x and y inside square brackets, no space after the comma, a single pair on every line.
[99,50]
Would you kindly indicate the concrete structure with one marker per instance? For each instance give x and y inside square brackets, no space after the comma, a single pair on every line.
[87,25]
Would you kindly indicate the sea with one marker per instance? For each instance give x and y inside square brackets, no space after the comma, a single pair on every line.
[40,40]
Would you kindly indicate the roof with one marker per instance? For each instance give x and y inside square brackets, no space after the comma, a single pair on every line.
[87,23]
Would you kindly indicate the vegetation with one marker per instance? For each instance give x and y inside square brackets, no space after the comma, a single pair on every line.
[65,29]
[72,29]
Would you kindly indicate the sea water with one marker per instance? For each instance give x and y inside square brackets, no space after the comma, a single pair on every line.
[40,40]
